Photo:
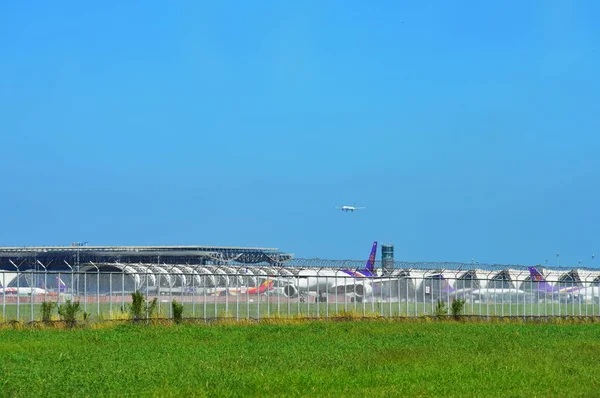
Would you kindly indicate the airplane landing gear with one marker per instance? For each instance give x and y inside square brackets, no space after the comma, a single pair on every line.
[321,298]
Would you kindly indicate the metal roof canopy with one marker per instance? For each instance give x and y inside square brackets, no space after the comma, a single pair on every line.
[55,256]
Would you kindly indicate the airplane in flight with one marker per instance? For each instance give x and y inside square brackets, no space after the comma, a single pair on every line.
[349,208]
[324,282]
[568,292]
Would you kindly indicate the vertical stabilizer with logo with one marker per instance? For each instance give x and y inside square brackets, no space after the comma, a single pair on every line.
[446,287]
[369,269]
[540,281]
[62,286]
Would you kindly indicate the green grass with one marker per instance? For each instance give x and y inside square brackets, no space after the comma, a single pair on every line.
[361,358]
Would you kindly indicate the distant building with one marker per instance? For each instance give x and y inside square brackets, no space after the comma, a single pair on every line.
[61,257]
[387,258]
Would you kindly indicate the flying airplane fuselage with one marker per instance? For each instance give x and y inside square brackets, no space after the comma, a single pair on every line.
[347,208]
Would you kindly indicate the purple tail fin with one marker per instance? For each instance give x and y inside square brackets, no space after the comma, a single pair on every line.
[370,266]
[446,287]
[62,287]
[540,281]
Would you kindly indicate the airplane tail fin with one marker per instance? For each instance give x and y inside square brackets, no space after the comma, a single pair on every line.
[540,281]
[266,285]
[370,265]
[62,286]
[446,287]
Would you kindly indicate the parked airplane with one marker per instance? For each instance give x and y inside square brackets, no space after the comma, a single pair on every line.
[543,286]
[323,282]
[349,208]
[567,292]
[21,291]
[29,291]
[263,288]
[484,295]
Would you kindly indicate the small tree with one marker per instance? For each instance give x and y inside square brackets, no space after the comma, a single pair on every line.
[152,307]
[440,308]
[457,307]
[47,307]
[68,311]
[177,311]
[139,305]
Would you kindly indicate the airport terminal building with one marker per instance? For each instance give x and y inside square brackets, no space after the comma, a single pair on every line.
[61,258]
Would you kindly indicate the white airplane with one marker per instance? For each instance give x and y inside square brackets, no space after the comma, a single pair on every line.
[21,291]
[349,208]
[589,295]
[264,288]
[500,295]
[30,291]
[485,295]
[321,283]
[564,293]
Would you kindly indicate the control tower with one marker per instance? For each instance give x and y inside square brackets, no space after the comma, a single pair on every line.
[387,258]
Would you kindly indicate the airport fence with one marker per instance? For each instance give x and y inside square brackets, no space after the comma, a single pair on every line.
[105,296]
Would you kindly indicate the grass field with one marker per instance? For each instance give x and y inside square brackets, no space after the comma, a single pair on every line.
[350,358]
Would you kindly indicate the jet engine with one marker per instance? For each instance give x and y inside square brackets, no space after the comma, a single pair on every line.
[362,291]
[290,291]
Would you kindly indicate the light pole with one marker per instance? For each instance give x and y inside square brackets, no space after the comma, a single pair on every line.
[97,288]
[18,286]
[58,283]
[45,278]
[557,258]
[78,246]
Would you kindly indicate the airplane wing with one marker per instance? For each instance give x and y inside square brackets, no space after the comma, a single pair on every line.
[355,287]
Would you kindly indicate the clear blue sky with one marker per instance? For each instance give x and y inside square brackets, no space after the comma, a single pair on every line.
[468,129]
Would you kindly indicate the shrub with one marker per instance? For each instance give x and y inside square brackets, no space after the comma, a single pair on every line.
[457,307]
[151,307]
[137,301]
[440,308]
[47,307]
[68,311]
[140,309]
[177,311]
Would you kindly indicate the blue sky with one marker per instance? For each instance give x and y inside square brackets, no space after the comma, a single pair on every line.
[468,129]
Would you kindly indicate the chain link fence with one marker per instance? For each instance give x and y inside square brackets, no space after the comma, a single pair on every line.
[240,293]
